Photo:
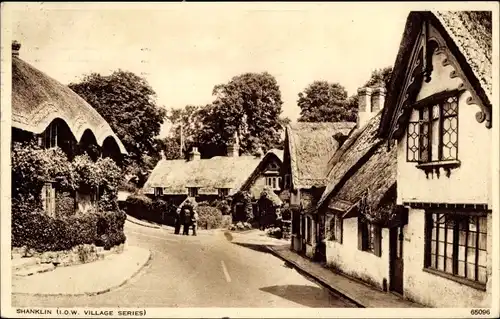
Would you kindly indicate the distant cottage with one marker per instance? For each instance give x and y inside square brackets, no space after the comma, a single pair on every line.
[203,179]
[308,148]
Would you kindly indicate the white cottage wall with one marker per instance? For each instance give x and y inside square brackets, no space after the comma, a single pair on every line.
[363,265]
[471,182]
[430,289]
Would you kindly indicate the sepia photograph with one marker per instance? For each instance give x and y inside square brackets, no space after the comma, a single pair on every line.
[272,160]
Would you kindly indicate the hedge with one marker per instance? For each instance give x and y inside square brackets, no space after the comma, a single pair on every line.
[34,229]
[209,217]
[157,210]
[139,206]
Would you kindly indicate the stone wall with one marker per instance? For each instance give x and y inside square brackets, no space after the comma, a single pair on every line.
[80,254]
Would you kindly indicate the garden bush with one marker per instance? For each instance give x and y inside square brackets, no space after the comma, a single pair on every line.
[35,230]
[209,217]
[227,221]
[65,204]
[139,206]
[274,232]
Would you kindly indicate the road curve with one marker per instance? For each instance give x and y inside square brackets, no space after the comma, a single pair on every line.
[202,271]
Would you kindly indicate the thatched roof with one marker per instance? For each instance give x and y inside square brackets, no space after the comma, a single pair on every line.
[468,36]
[38,99]
[247,185]
[175,176]
[310,146]
[362,164]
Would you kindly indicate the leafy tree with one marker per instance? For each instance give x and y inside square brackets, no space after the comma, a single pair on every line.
[248,107]
[171,147]
[380,77]
[127,102]
[325,102]
[189,120]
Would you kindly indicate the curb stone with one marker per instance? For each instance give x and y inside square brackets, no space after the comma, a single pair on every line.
[95,293]
[142,224]
[317,278]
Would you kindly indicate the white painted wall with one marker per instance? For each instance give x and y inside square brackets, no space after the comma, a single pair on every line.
[430,289]
[471,182]
[348,259]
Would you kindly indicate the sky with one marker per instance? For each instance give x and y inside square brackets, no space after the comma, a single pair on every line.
[184,50]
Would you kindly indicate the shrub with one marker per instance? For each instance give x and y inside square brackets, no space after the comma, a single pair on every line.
[274,232]
[35,230]
[209,217]
[139,206]
[223,206]
[227,221]
[65,204]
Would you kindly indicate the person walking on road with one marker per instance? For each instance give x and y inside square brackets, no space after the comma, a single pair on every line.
[178,221]
[186,221]
[194,221]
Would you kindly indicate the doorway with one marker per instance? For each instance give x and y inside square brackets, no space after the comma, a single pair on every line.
[396,259]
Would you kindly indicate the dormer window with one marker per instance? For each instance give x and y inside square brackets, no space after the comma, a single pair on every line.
[223,192]
[432,141]
[192,191]
[273,182]
[158,191]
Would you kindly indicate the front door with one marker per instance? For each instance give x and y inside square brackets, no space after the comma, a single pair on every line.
[396,257]
[303,233]
[320,236]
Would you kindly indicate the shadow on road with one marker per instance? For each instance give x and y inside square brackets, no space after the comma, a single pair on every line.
[308,296]
[256,247]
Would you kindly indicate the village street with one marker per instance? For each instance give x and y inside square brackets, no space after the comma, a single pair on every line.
[203,271]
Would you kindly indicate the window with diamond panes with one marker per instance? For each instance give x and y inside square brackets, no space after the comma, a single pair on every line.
[435,136]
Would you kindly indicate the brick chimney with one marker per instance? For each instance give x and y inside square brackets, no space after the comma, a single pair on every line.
[194,155]
[233,149]
[16,46]
[378,99]
[364,106]
[370,102]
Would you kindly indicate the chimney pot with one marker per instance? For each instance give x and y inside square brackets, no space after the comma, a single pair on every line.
[364,98]
[194,154]
[378,99]
[16,46]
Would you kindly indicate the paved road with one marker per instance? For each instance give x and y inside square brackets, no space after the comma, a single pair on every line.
[202,271]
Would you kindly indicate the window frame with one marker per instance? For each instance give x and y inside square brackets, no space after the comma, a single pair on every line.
[193,191]
[369,237]
[158,191]
[458,218]
[223,192]
[273,182]
[415,138]
[335,228]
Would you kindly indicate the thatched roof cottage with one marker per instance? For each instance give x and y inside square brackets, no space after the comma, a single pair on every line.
[43,106]
[203,179]
[50,112]
[439,110]
[360,199]
[308,147]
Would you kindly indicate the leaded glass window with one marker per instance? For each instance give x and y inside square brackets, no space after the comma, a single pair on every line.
[434,137]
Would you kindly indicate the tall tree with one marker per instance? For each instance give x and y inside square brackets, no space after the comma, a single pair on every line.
[380,77]
[128,103]
[249,105]
[325,102]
